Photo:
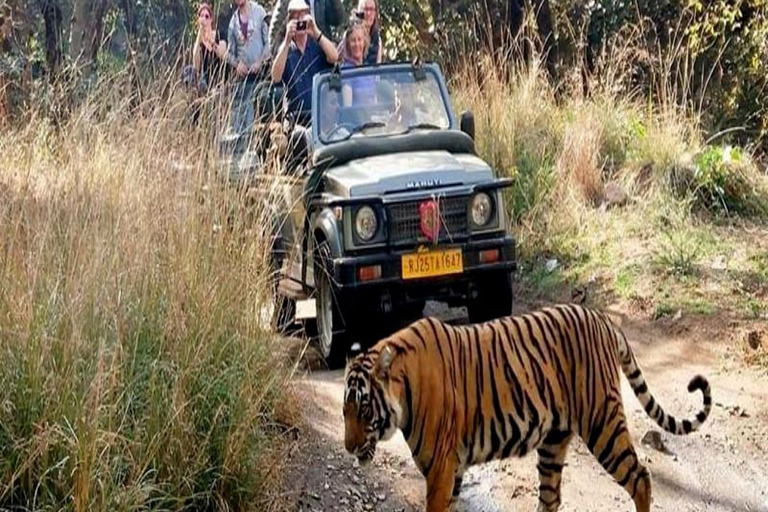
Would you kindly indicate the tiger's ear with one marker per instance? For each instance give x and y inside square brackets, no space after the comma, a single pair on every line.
[383,364]
[354,350]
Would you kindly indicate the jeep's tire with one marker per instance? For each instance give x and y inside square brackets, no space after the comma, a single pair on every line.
[494,298]
[330,339]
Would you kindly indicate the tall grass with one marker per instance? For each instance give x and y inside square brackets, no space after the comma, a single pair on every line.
[562,148]
[136,366]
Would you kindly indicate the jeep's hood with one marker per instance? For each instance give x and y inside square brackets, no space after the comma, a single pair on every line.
[402,172]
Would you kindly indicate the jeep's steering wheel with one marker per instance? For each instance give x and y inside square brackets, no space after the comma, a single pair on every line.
[348,126]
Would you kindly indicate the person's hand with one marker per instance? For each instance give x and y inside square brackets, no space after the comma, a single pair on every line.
[221,49]
[290,31]
[254,67]
[241,69]
[312,26]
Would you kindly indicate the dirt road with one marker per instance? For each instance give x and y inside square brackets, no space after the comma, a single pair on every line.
[721,468]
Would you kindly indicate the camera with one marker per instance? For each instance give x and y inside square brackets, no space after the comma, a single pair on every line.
[301,25]
[360,15]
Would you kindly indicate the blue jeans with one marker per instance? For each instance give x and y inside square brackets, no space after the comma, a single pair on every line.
[242,106]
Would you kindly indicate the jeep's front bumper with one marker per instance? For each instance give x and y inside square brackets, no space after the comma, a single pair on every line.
[346,275]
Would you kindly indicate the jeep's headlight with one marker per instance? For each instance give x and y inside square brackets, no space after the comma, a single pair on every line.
[366,223]
[480,209]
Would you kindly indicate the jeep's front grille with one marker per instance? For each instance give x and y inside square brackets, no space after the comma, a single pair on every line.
[404,221]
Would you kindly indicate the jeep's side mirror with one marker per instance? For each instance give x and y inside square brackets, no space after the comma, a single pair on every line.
[467,124]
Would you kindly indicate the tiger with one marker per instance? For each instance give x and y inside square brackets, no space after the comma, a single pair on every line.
[465,395]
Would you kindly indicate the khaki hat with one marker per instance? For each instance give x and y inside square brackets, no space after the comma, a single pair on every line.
[298,5]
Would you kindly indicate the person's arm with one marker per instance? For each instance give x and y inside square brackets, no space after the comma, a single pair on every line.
[265,51]
[278,65]
[197,58]
[328,46]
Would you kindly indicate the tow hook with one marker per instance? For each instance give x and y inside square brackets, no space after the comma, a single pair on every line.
[386,303]
[472,292]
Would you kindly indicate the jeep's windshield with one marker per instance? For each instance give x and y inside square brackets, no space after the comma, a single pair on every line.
[379,101]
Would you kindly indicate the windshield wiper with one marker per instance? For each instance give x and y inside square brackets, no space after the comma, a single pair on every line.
[365,126]
[421,126]
[424,126]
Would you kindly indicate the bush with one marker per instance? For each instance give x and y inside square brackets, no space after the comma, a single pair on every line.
[723,180]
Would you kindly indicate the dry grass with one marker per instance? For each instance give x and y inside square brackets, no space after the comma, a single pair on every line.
[578,165]
[666,247]
[138,370]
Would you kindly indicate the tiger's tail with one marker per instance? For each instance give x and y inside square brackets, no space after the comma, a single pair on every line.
[666,421]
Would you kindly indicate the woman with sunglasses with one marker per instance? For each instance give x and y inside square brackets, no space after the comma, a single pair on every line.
[209,51]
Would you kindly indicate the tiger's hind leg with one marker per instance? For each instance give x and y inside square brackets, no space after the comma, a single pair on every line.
[552,454]
[613,448]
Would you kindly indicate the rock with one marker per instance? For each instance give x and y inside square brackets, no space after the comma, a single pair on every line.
[754,339]
[551,265]
[678,315]
[614,194]
[736,410]
[652,438]
[579,294]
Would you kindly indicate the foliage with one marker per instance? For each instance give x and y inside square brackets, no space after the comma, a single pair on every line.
[723,179]
[680,251]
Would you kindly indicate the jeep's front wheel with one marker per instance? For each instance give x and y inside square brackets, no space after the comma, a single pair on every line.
[331,339]
[493,299]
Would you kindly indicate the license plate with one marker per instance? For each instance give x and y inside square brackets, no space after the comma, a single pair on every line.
[433,263]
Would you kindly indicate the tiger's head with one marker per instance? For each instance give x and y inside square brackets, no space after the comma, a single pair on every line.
[370,411]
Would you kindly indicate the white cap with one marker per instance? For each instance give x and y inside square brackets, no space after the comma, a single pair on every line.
[298,5]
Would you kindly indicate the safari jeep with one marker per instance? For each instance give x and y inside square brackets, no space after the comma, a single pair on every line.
[392,207]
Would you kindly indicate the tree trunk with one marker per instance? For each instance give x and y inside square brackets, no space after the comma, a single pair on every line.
[131,20]
[87,32]
[546,34]
[53,18]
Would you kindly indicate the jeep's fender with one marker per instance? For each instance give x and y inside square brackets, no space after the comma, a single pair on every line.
[326,225]
[323,225]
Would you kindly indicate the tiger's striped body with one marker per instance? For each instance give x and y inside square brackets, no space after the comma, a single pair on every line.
[470,394]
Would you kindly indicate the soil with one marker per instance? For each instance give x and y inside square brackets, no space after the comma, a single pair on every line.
[723,467]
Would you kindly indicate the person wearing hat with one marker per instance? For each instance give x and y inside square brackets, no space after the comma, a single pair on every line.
[304,52]
[247,50]
[328,14]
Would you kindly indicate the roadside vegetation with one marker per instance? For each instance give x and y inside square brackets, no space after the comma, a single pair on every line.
[137,370]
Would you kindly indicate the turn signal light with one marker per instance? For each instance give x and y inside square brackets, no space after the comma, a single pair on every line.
[369,273]
[489,256]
